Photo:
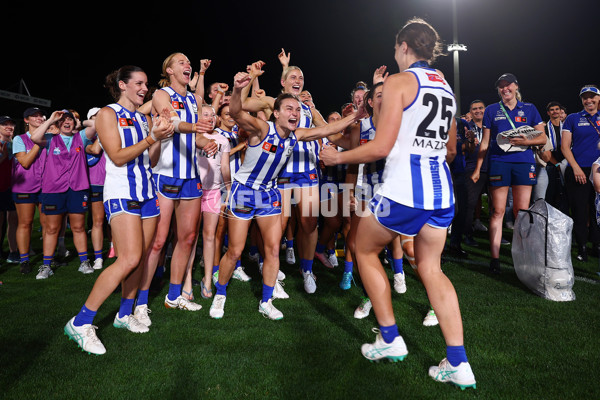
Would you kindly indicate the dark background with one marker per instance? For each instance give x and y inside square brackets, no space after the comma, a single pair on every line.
[63,51]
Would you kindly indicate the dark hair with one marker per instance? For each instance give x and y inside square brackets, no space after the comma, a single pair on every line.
[111,82]
[283,96]
[280,99]
[422,38]
[221,107]
[369,96]
[553,104]
[475,101]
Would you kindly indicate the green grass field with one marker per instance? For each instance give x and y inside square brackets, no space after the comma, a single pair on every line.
[520,346]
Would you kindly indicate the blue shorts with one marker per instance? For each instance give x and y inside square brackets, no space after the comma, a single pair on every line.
[509,174]
[178,189]
[96,193]
[26,198]
[289,180]
[405,220]
[246,203]
[144,209]
[71,201]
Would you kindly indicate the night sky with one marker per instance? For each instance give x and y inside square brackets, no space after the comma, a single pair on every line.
[549,47]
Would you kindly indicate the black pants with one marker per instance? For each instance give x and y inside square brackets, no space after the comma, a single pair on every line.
[581,201]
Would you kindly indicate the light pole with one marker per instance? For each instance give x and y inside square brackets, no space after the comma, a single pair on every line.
[455,47]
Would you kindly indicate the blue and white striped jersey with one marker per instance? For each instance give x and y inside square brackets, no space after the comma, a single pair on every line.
[372,173]
[304,157]
[235,160]
[416,173]
[178,153]
[133,180]
[263,162]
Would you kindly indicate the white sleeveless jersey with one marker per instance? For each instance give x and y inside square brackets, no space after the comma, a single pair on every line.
[263,162]
[304,157]
[178,153]
[416,173]
[133,180]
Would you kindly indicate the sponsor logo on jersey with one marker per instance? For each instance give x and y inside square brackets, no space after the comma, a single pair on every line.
[435,78]
[178,105]
[271,148]
[521,119]
[125,122]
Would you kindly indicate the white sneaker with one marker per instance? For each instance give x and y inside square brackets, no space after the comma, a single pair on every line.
[430,319]
[290,257]
[278,292]
[310,282]
[280,274]
[269,311]
[44,272]
[461,375]
[85,268]
[240,275]
[141,313]
[130,323]
[85,337]
[98,263]
[333,259]
[478,226]
[182,303]
[364,309]
[217,308]
[395,351]
[400,282]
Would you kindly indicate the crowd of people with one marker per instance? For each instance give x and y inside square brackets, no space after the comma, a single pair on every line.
[182,171]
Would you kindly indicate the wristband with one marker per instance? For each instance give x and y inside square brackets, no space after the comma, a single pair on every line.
[202,72]
[150,140]
[152,135]
[176,121]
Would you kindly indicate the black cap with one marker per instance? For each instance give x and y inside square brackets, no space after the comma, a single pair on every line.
[32,110]
[6,118]
[67,113]
[510,78]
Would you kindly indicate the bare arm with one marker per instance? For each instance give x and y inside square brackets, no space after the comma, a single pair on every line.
[483,148]
[256,127]
[398,90]
[108,134]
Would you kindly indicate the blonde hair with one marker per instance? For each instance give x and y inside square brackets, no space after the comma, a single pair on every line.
[165,80]
[286,72]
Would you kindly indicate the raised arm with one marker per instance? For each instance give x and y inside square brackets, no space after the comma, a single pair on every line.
[255,127]
[39,135]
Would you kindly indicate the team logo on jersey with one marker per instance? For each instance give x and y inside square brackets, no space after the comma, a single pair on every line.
[435,78]
[313,177]
[598,122]
[276,204]
[178,105]
[521,119]
[56,151]
[271,148]
[125,122]
[78,149]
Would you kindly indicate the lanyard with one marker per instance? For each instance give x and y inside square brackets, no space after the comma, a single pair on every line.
[420,64]
[592,124]
[506,114]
